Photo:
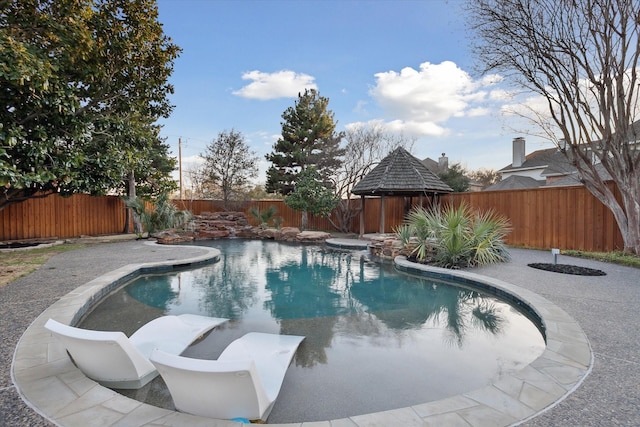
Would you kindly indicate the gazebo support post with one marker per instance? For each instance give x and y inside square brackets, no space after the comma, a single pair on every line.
[362,206]
[381,231]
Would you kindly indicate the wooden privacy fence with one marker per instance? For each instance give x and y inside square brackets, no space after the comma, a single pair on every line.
[553,217]
[62,217]
[558,217]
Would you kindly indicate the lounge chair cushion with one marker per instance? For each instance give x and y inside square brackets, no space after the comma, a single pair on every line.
[243,383]
[116,361]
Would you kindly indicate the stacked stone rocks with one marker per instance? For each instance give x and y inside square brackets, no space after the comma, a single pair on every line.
[218,225]
[385,246]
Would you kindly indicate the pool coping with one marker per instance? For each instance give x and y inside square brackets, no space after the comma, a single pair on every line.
[50,384]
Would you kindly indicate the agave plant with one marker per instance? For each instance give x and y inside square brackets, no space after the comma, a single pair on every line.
[454,243]
[458,236]
[404,234]
[164,215]
[264,217]
[489,233]
[423,225]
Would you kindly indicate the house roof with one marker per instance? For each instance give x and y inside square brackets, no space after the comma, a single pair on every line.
[552,159]
[515,182]
[400,173]
[565,181]
[431,164]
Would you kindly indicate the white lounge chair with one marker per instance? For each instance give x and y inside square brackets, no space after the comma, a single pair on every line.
[243,383]
[116,361]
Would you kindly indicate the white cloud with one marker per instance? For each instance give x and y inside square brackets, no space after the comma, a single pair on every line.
[412,127]
[400,127]
[361,107]
[281,84]
[192,161]
[491,79]
[528,106]
[421,101]
[501,95]
[478,111]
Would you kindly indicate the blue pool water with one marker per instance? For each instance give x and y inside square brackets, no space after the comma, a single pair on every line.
[376,339]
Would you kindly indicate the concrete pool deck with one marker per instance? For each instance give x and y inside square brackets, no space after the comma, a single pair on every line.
[604,307]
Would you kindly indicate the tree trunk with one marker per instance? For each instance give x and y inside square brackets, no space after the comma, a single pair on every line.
[137,224]
[303,224]
[627,213]
[632,240]
[629,219]
[127,213]
[225,198]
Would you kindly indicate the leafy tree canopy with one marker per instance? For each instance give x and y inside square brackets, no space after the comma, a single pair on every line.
[311,196]
[308,139]
[486,177]
[83,83]
[456,177]
[229,165]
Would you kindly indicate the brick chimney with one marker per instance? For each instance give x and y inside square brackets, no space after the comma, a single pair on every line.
[443,163]
[518,152]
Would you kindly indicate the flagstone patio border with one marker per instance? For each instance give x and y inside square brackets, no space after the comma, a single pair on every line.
[48,381]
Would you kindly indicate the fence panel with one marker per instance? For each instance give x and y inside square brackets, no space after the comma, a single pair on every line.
[58,217]
[558,217]
[562,217]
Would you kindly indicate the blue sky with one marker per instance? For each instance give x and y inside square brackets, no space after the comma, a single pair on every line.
[404,64]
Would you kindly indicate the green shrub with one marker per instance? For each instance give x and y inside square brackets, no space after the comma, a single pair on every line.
[456,236]
[162,216]
[265,217]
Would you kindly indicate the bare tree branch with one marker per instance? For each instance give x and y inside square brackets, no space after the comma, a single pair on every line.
[581,57]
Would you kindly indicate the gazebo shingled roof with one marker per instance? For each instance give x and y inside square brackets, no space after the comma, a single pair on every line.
[400,174]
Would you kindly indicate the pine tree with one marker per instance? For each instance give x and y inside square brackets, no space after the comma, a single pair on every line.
[308,139]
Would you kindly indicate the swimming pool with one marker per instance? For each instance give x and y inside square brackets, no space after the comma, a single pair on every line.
[376,339]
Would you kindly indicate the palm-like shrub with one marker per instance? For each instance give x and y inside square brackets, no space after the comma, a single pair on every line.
[423,225]
[489,232]
[454,237]
[161,216]
[457,236]
[265,217]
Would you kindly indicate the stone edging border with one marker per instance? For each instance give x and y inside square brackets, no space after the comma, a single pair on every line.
[49,383]
[548,380]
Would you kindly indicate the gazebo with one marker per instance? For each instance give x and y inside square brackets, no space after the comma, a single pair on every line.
[398,175]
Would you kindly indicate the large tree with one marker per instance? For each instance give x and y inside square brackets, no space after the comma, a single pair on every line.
[581,57]
[308,139]
[229,165]
[83,82]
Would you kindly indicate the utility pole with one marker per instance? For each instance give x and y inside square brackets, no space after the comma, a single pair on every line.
[180,164]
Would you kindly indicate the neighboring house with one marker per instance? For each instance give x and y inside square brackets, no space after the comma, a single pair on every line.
[437,167]
[442,165]
[542,168]
[550,167]
[475,185]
